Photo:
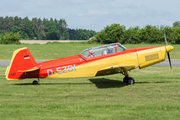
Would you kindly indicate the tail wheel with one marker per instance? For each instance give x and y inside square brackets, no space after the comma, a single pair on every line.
[35,82]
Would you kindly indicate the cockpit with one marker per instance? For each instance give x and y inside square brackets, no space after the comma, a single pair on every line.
[103,50]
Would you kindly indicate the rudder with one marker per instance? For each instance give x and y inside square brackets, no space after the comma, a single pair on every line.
[21,62]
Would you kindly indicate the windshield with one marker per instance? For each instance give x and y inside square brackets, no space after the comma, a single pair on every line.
[120,47]
[103,50]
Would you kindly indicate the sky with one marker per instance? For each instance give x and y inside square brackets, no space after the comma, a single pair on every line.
[96,14]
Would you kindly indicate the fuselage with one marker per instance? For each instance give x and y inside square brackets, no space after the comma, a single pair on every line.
[80,66]
[100,61]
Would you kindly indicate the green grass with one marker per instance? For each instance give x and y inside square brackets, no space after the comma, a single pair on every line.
[154,96]
[60,50]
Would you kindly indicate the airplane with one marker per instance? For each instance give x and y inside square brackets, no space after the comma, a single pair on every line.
[97,61]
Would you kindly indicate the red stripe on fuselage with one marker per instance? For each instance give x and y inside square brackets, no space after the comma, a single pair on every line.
[53,64]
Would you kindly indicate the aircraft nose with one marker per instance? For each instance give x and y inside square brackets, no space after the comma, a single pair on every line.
[169,48]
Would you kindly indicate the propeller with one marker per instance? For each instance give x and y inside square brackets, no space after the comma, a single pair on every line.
[167,52]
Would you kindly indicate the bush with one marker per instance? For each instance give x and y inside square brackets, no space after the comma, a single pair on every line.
[92,40]
[148,34]
[151,34]
[111,34]
[10,38]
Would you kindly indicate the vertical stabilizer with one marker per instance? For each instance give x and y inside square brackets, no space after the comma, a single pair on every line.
[21,61]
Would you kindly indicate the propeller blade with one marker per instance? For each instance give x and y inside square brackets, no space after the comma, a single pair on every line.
[169,60]
[167,52]
[165,38]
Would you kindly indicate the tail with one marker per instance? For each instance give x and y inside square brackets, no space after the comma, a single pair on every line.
[22,63]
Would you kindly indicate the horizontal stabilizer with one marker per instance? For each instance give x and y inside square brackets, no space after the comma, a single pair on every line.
[29,70]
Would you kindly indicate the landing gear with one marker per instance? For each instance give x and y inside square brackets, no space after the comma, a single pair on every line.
[125,79]
[131,81]
[128,80]
[35,82]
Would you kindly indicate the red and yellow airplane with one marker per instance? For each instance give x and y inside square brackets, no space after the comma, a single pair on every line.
[98,61]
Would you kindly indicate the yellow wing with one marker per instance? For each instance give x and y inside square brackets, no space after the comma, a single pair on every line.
[116,69]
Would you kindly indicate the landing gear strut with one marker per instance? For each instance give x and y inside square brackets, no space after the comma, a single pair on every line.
[128,80]
[35,82]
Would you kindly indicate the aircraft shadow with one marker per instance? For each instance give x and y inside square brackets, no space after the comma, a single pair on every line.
[107,83]
[152,82]
[51,83]
[99,82]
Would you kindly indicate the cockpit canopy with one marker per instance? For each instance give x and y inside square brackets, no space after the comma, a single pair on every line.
[103,50]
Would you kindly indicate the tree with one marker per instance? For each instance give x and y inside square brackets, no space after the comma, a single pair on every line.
[111,34]
[40,29]
[17,21]
[36,28]
[174,35]
[16,29]
[51,31]
[27,29]
[1,23]
[131,36]
[43,28]
[62,25]
[2,32]
[176,24]
[151,34]
[83,34]
[71,34]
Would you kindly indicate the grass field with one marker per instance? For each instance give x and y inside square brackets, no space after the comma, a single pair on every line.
[60,50]
[154,96]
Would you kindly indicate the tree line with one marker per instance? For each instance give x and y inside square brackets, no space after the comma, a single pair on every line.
[44,29]
[135,35]
[53,29]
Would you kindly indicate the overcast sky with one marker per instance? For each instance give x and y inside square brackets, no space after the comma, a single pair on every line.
[96,14]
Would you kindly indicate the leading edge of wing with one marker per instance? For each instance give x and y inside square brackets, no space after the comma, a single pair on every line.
[128,66]
[116,69]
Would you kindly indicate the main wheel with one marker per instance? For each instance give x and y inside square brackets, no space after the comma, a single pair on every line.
[125,79]
[130,81]
[35,82]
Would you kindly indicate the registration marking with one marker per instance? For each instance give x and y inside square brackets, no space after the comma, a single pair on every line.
[62,70]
